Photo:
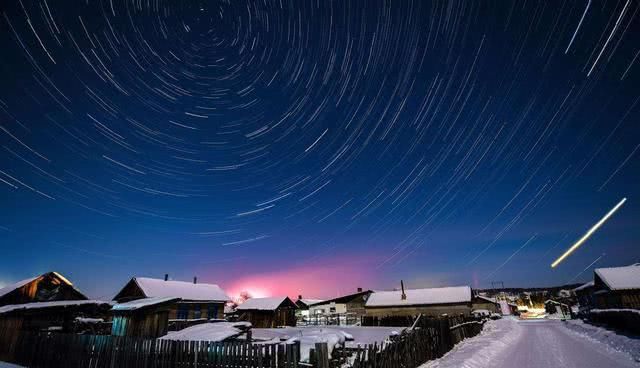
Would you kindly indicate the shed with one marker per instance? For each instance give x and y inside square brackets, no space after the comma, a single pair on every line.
[48,287]
[431,302]
[268,312]
[147,317]
[198,301]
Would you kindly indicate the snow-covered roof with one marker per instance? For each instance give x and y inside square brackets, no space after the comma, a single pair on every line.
[9,288]
[486,298]
[620,278]
[218,331]
[180,289]
[270,303]
[584,286]
[455,294]
[142,303]
[41,305]
[310,301]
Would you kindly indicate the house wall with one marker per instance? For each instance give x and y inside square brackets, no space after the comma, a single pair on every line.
[192,310]
[149,324]
[269,319]
[430,310]
[618,299]
[339,308]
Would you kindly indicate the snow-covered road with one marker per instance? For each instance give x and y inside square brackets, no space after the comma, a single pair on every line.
[541,343]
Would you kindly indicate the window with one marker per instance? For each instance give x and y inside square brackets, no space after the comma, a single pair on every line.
[183,311]
[212,313]
[332,309]
[197,312]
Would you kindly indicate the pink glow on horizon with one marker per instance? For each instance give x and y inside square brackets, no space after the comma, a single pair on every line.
[322,280]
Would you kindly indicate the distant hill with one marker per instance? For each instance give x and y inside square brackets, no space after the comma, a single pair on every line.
[517,290]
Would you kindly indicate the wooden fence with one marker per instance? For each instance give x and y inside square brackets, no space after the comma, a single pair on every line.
[31,349]
[429,338]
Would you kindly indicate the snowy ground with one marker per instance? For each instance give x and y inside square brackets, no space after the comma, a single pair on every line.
[630,345]
[350,336]
[9,365]
[511,343]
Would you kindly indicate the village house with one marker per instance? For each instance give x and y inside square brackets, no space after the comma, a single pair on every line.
[302,313]
[412,302]
[343,310]
[146,317]
[268,312]
[485,303]
[47,287]
[617,287]
[197,301]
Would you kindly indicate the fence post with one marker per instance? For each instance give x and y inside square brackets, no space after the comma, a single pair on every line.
[322,354]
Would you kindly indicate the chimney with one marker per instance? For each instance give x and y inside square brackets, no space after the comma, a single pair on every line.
[300,297]
[166,277]
[359,290]
[195,280]
[403,296]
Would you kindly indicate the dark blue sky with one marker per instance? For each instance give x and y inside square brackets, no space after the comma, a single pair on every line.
[313,147]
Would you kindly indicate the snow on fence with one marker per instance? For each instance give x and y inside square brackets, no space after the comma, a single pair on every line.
[430,338]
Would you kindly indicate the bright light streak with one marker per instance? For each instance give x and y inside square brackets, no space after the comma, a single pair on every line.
[588,234]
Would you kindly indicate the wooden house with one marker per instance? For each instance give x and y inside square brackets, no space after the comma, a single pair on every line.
[617,287]
[47,287]
[55,316]
[346,309]
[302,313]
[484,303]
[146,317]
[268,312]
[412,302]
[198,301]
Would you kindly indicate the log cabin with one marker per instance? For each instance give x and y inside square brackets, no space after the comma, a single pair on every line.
[617,287]
[47,287]
[268,312]
[198,301]
[412,302]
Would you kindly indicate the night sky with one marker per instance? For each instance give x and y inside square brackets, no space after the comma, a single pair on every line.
[317,146]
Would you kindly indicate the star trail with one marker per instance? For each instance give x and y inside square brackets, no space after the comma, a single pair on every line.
[317,146]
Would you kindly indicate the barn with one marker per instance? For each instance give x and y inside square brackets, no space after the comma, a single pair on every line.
[47,287]
[197,301]
[412,302]
[268,312]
